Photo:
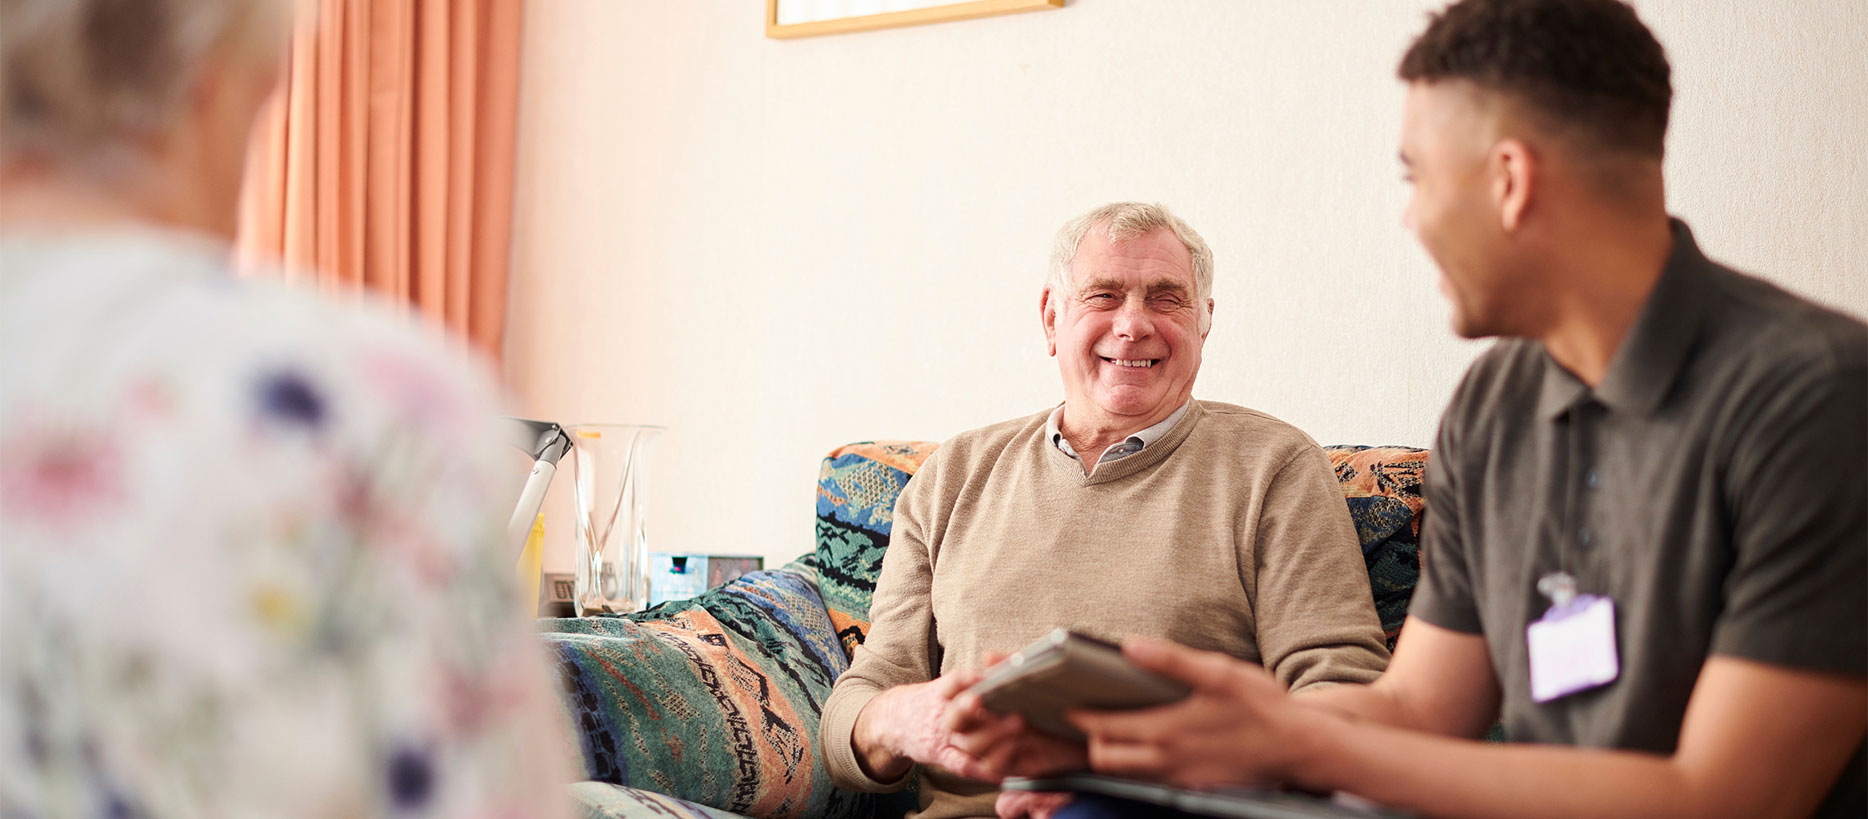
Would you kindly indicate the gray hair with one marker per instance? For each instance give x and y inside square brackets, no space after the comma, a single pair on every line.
[79,78]
[1131,220]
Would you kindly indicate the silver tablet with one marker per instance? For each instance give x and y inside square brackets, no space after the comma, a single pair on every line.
[1066,670]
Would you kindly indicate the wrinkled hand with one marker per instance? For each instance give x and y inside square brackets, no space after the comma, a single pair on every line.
[1237,727]
[938,723]
[907,724]
[1022,804]
[1006,745]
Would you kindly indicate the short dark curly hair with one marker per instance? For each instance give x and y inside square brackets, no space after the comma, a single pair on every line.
[1587,66]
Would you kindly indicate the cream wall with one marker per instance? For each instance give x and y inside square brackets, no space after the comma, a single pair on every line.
[778,247]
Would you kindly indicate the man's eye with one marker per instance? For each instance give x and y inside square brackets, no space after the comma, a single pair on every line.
[1102,296]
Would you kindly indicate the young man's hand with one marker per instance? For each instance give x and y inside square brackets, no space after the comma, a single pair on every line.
[1235,727]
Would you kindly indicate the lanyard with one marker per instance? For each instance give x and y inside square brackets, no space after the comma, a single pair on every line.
[1560,586]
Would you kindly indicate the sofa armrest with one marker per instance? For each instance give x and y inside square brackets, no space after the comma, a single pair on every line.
[715,700]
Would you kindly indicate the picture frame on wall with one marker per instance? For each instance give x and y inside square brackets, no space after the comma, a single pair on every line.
[785,19]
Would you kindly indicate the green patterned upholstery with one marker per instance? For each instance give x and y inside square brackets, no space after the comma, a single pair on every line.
[715,700]
[856,489]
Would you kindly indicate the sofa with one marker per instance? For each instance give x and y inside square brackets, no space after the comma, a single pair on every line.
[709,707]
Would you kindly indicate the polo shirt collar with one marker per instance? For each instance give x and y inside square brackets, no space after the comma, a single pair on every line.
[1653,355]
[1561,389]
[1053,432]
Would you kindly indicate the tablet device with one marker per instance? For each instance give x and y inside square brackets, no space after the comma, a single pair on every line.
[1234,803]
[1066,670]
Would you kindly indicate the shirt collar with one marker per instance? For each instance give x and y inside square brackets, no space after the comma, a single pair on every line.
[1053,432]
[1651,358]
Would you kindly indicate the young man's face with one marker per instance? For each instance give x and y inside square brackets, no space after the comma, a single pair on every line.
[1446,136]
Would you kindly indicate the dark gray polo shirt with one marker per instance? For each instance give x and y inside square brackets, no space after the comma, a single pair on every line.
[1712,485]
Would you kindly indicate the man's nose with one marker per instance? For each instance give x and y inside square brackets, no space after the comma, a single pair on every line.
[1132,322]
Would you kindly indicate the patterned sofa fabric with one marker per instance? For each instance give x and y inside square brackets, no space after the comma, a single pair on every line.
[602,800]
[1383,488]
[709,707]
[856,490]
[714,700]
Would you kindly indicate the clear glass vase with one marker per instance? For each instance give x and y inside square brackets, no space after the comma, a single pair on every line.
[612,467]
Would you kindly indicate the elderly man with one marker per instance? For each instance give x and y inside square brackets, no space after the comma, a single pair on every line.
[1131,509]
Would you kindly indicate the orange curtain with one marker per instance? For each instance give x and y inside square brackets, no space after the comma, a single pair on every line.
[386,160]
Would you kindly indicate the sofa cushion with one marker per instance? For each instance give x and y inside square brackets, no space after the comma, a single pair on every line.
[715,700]
[1383,488]
[856,489]
[602,800]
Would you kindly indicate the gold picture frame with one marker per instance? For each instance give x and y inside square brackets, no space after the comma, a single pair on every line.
[941,12]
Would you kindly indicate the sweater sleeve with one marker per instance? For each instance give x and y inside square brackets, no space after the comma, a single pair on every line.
[1315,613]
[902,645]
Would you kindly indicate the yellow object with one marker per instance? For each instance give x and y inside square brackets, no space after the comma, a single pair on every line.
[527,569]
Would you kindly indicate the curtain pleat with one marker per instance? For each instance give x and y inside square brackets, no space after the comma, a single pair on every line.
[386,162]
[494,162]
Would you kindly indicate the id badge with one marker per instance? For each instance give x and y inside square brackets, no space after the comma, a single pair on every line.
[1572,648]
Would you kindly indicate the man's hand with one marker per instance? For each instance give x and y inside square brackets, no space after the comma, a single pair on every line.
[1757,740]
[1232,728]
[1006,745]
[1029,804]
[939,723]
[907,724]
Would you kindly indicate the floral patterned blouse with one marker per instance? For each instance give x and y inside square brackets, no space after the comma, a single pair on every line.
[251,557]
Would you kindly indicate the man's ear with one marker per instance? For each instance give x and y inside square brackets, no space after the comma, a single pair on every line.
[1209,320]
[1513,169]
[1049,319]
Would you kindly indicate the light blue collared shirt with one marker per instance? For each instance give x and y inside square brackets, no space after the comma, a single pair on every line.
[1117,451]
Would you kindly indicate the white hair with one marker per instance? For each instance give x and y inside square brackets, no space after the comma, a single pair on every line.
[82,78]
[1131,220]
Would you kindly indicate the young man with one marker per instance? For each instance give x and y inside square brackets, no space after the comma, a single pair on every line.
[1645,541]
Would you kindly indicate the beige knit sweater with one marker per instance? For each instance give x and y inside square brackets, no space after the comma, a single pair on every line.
[1228,534]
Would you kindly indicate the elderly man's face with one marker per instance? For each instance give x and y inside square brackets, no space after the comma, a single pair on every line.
[1127,336]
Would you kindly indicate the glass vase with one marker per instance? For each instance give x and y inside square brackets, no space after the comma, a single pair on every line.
[612,467]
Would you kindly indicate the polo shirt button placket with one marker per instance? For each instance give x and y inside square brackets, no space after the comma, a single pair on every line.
[1586,536]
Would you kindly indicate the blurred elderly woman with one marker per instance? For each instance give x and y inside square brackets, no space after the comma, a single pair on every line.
[250,549]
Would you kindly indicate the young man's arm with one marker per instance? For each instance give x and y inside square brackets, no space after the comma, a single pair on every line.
[1757,740]
[1440,682]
